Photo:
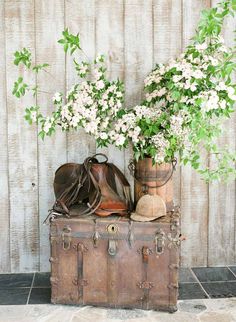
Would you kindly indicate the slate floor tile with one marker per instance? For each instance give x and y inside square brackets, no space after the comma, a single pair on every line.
[186,276]
[15,280]
[189,291]
[233,269]
[213,274]
[14,296]
[220,289]
[42,280]
[40,296]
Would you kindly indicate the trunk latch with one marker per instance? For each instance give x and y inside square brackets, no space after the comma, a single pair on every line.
[112,231]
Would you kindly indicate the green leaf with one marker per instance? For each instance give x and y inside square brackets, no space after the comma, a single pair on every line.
[23,57]
[19,88]
[70,42]
[39,67]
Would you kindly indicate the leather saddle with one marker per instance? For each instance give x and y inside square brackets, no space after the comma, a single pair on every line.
[93,187]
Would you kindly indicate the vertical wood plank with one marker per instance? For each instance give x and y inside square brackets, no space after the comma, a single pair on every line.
[138,28]
[221,231]
[4,191]
[167,42]
[110,42]
[22,145]
[80,17]
[52,151]
[194,192]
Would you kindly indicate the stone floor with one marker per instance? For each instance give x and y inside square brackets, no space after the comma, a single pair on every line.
[205,294]
[204,310]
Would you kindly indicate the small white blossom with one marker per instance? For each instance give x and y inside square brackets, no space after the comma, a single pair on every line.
[103,136]
[201,47]
[231,93]
[100,84]
[57,98]
[34,116]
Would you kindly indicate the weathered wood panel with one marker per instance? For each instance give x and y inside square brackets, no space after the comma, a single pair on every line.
[194,192]
[22,145]
[49,23]
[4,191]
[138,40]
[110,42]
[221,229]
[134,34]
[80,17]
[167,43]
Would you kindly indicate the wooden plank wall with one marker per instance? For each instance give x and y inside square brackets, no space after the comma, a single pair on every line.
[134,35]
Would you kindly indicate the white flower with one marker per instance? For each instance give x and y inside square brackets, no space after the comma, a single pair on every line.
[100,84]
[176,78]
[231,93]
[97,74]
[193,87]
[221,86]
[99,58]
[223,49]
[48,124]
[103,136]
[161,92]
[119,94]
[120,140]
[201,47]
[198,74]
[34,116]
[214,61]
[57,98]
[223,104]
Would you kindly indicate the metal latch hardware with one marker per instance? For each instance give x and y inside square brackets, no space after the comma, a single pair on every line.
[145,285]
[173,286]
[160,241]
[78,282]
[66,237]
[112,249]
[173,266]
[175,241]
[112,229]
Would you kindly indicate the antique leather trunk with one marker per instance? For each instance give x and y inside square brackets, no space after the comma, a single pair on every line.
[115,262]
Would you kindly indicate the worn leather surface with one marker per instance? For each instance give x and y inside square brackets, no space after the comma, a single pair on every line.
[93,185]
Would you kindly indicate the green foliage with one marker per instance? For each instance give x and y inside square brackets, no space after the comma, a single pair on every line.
[187,119]
[23,57]
[69,41]
[39,67]
[32,114]
[19,88]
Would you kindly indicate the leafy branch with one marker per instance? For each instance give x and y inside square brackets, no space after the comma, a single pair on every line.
[23,57]
[69,41]
[19,87]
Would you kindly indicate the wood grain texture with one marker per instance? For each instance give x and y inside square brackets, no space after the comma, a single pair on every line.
[49,24]
[221,232]
[167,43]
[134,34]
[194,192]
[80,17]
[110,42]
[138,28]
[22,145]
[4,191]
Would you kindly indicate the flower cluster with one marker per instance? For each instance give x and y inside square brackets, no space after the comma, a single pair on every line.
[185,101]
[91,104]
